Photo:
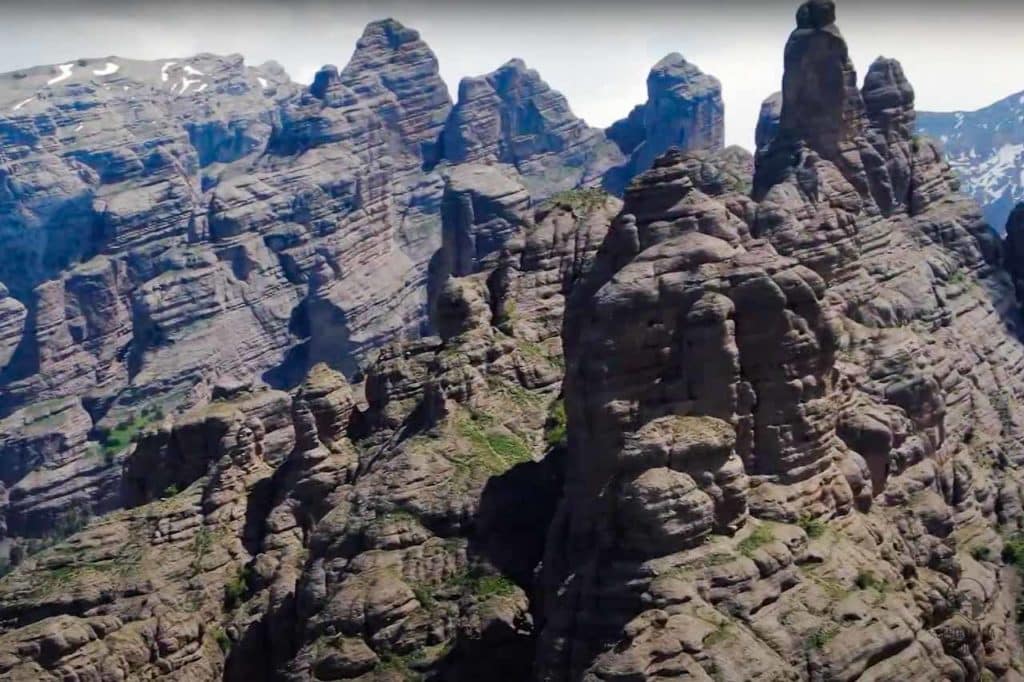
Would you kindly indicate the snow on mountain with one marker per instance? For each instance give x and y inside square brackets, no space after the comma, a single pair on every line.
[986,148]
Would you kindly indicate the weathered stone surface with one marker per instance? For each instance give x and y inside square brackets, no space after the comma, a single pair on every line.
[731,427]
[482,209]
[845,328]
[768,120]
[317,536]
[512,116]
[683,110]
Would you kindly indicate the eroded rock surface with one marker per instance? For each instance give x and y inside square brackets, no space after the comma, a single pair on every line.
[683,110]
[513,117]
[171,223]
[314,535]
[758,420]
[786,434]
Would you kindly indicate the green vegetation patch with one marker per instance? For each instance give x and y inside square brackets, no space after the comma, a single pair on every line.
[982,553]
[556,428]
[582,200]
[760,536]
[201,545]
[719,635]
[481,585]
[127,431]
[1013,551]
[821,637]
[814,528]
[236,587]
[866,580]
[222,639]
[492,447]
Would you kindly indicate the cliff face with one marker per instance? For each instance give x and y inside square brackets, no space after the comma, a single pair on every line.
[683,110]
[379,532]
[512,116]
[170,224]
[757,420]
[786,437]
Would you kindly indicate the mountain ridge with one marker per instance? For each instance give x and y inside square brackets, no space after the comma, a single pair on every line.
[758,419]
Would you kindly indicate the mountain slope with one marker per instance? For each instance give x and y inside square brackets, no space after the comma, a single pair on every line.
[986,148]
[175,224]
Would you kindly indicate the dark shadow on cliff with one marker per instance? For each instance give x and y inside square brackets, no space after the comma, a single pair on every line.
[516,509]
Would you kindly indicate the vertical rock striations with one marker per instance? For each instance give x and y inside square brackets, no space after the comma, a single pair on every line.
[684,110]
[512,116]
[791,420]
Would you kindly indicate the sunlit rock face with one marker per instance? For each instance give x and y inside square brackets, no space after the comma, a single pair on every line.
[756,387]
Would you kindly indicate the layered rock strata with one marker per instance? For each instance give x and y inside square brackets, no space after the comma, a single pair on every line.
[684,110]
[792,428]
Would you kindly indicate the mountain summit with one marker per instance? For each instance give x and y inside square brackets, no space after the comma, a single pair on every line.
[349,382]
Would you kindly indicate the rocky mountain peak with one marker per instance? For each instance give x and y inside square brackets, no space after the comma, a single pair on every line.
[673,72]
[388,34]
[816,14]
[864,133]
[683,110]
[327,84]
[513,116]
[820,100]
[889,99]
[395,73]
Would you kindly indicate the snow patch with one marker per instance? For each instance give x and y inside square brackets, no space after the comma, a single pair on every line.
[22,103]
[109,69]
[163,70]
[65,73]
[79,127]
[186,82]
[203,87]
[192,71]
[263,82]
[1008,153]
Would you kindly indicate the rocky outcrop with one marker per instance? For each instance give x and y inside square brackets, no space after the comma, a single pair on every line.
[12,325]
[768,120]
[512,116]
[317,535]
[757,420]
[181,220]
[151,252]
[483,208]
[684,110]
[781,434]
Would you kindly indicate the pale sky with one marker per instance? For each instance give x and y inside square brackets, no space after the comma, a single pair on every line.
[957,55]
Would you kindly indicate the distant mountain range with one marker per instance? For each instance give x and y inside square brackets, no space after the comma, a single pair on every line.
[986,148]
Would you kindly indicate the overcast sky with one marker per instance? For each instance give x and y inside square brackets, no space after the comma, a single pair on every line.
[958,55]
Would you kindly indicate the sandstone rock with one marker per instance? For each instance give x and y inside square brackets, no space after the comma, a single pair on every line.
[511,116]
[683,110]
[834,326]
[768,120]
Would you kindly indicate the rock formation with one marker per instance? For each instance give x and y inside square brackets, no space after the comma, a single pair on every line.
[317,536]
[758,420]
[172,223]
[786,437]
[684,110]
[512,116]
